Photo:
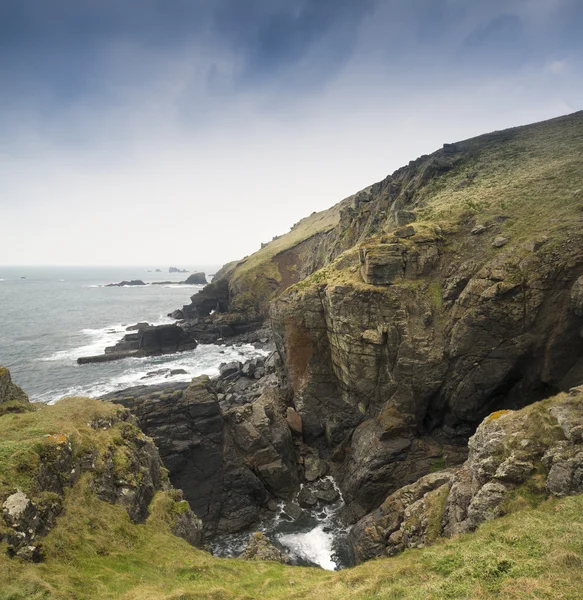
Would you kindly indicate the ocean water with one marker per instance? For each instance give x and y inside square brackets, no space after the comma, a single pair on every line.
[49,316]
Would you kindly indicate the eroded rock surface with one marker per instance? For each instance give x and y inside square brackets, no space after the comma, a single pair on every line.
[515,457]
[228,465]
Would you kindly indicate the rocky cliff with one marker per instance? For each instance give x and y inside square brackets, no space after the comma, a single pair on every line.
[459,295]
[50,455]
[516,460]
[411,310]
[229,463]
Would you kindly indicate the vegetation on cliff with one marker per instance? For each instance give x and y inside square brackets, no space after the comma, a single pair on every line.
[96,551]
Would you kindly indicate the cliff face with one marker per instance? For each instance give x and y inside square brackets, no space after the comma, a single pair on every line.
[228,464]
[462,296]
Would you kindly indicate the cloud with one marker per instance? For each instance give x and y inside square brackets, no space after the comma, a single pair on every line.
[152,131]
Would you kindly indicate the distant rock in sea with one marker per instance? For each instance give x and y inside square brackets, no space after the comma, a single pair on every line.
[126,283]
[196,279]
[175,270]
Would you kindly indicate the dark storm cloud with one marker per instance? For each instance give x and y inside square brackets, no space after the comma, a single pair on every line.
[59,44]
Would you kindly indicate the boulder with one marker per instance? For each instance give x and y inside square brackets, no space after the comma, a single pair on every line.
[500,241]
[294,420]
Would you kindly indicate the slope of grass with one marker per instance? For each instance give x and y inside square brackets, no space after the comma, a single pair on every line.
[95,552]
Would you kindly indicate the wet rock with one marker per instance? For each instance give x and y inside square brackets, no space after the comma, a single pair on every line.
[230,369]
[260,548]
[307,498]
[324,491]
[293,511]
[137,326]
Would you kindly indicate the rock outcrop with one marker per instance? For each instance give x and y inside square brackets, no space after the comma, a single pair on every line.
[10,393]
[149,340]
[131,283]
[196,279]
[110,456]
[516,459]
[228,466]
[260,548]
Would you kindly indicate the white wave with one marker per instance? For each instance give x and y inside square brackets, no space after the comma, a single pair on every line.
[99,340]
[204,360]
[314,546]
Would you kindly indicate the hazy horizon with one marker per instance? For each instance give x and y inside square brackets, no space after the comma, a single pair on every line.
[145,134]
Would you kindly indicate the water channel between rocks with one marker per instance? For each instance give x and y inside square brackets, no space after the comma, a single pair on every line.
[311,536]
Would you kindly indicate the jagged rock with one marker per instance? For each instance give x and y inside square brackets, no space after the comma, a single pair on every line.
[509,450]
[293,511]
[260,548]
[314,467]
[137,326]
[405,232]
[404,217]
[261,433]
[479,229]
[176,270]
[382,264]
[223,466]
[324,491]
[403,519]
[229,369]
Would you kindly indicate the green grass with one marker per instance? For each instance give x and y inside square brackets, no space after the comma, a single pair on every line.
[95,551]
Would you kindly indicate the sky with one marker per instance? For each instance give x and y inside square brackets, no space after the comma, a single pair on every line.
[187,132]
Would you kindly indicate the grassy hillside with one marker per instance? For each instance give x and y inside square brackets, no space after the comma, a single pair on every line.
[95,551]
[531,177]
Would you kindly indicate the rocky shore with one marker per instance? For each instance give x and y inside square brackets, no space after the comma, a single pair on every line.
[146,340]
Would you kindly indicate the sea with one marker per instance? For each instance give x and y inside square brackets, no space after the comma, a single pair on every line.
[50,316]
